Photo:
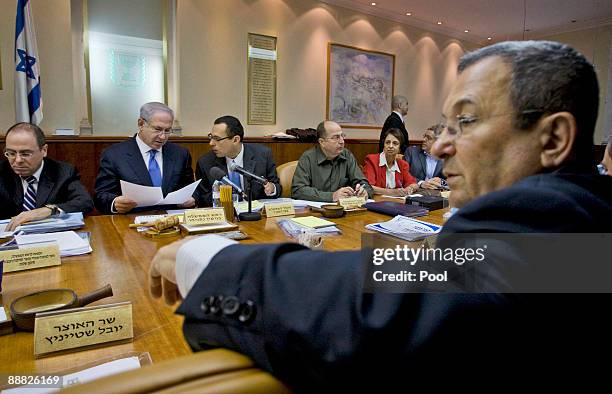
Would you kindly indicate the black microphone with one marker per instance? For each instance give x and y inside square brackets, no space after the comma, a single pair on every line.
[219,175]
[236,168]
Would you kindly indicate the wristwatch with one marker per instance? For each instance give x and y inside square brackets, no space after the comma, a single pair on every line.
[54,209]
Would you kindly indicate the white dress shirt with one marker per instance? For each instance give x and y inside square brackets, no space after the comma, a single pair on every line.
[144,151]
[239,160]
[36,175]
[382,161]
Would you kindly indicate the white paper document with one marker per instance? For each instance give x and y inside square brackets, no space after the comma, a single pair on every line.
[406,228]
[70,244]
[147,196]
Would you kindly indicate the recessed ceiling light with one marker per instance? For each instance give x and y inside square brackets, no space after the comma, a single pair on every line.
[466,31]
[373,3]
[408,13]
[439,22]
[489,38]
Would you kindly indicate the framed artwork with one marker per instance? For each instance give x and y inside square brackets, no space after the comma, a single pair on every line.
[359,86]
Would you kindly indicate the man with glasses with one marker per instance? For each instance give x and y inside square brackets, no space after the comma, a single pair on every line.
[147,159]
[226,148]
[426,168]
[33,186]
[327,171]
[518,152]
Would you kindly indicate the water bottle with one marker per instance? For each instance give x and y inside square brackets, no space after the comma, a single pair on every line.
[216,194]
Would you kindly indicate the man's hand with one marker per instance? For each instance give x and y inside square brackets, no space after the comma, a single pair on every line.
[269,189]
[28,216]
[124,204]
[433,183]
[343,192]
[190,203]
[162,273]
[361,191]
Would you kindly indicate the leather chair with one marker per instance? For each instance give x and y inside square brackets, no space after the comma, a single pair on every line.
[285,174]
[212,371]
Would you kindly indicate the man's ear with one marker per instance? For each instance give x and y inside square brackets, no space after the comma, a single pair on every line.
[140,122]
[44,150]
[557,135]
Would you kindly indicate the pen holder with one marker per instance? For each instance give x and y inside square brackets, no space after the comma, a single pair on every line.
[227,202]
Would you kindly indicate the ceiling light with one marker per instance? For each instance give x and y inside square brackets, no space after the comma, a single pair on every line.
[408,13]
[373,3]
[466,31]
[489,38]
[439,22]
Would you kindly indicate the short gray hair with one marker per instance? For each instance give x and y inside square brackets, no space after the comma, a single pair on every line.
[398,101]
[148,109]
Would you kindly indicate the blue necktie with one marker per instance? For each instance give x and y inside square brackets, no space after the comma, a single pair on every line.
[29,197]
[235,177]
[154,172]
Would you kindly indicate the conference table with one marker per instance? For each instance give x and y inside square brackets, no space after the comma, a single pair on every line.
[121,257]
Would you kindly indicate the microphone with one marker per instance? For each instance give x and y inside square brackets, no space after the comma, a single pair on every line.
[235,167]
[218,174]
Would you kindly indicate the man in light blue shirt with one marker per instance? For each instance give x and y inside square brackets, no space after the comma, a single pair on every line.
[423,166]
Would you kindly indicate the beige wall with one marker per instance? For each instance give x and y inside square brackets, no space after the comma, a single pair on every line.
[212,61]
[52,18]
[594,44]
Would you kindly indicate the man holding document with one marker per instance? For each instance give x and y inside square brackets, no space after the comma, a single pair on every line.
[139,172]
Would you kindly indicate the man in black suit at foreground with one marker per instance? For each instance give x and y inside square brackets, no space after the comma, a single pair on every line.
[518,156]
[33,186]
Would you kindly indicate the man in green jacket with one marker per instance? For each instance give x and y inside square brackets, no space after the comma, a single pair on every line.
[328,172]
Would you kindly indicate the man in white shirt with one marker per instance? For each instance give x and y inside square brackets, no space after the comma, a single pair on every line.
[226,148]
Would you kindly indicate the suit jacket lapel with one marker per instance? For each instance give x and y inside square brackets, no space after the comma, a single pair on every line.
[167,165]
[45,185]
[18,192]
[137,163]
[438,169]
[423,160]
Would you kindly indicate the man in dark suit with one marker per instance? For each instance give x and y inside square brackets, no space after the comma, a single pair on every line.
[399,105]
[226,147]
[520,162]
[147,159]
[426,168]
[33,186]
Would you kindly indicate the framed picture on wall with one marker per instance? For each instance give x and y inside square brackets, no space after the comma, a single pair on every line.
[359,86]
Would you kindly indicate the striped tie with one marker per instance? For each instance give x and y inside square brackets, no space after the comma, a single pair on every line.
[29,197]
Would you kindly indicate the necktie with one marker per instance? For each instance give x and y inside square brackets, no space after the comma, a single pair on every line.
[29,197]
[154,172]
[235,177]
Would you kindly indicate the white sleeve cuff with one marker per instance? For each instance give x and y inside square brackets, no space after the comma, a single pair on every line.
[113,210]
[194,256]
[273,192]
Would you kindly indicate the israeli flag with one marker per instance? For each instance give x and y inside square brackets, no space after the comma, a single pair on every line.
[28,97]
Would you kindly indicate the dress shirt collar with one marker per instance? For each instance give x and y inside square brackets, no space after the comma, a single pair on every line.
[382,162]
[144,148]
[321,158]
[239,160]
[400,115]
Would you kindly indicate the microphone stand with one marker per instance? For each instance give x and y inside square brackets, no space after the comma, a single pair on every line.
[250,216]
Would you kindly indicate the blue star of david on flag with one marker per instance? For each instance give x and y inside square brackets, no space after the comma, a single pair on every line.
[28,96]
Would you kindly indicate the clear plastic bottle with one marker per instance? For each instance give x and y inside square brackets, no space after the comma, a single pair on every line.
[216,194]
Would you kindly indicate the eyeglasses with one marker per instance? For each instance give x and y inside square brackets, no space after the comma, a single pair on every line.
[160,130]
[465,122]
[9,154]
[215,138]
[336,137]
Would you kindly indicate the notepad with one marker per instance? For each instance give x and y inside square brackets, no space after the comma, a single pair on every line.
[312,222]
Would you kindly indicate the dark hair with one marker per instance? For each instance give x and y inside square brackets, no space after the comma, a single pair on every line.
[547,77]
[38,133]
[394,132]
[234,127]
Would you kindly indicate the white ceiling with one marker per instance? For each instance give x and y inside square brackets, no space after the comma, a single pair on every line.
[499,19]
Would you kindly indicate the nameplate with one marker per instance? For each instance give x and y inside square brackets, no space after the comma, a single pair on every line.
[29,258]
[74,328]
[352,202]
[280,209]
[201,217]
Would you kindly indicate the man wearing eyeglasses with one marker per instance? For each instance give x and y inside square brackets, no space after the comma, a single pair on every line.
[328,171]
[33,186]
[306,315]
[226,148]
[426,168]
[147,159]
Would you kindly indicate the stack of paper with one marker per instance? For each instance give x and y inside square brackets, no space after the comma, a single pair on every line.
[66,221]
[406,228]
[70,243]
[293,228]
[147,196]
